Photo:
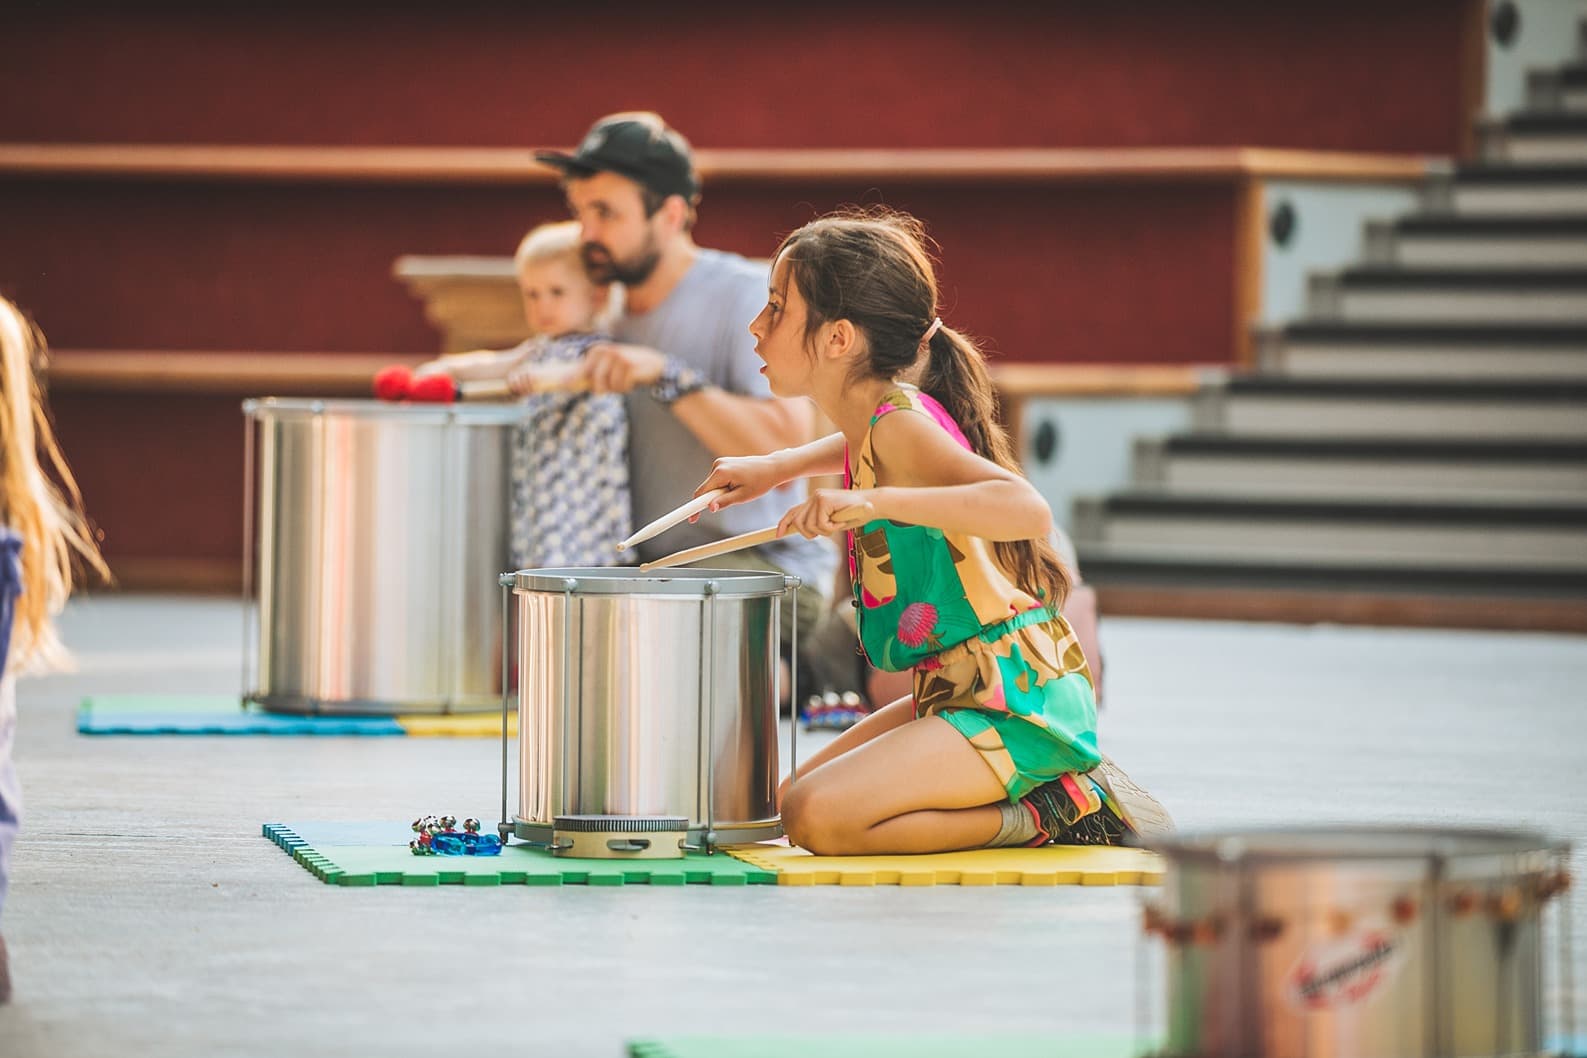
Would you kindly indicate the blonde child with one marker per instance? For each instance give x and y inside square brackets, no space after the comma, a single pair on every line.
[952,570]
[41,529]
[570,496]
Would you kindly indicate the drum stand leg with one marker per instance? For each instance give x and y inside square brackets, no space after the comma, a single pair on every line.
[248,687]
[1566,984]
[792,583]
[504,828]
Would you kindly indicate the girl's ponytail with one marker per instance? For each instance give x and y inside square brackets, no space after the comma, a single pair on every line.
[955,376]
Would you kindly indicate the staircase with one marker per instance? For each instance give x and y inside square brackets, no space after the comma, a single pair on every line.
[1415,447]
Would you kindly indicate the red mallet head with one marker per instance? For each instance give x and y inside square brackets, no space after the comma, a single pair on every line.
[393,383]
[433,389]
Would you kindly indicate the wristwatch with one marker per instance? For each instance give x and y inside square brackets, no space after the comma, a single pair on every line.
[677,380]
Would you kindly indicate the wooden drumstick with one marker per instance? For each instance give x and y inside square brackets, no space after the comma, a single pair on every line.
[672,518]
[847,516]
[548,378]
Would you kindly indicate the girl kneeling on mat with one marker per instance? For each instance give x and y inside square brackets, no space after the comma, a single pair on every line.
[952,572]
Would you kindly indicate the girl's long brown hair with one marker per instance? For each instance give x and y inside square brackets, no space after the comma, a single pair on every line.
[873,268]
[46,515]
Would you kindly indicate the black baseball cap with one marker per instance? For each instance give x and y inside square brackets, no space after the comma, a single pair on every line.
[638,146]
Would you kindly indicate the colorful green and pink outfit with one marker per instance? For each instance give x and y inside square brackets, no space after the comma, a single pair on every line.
[989,658]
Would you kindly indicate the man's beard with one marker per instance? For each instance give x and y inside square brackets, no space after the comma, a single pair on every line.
[603,268]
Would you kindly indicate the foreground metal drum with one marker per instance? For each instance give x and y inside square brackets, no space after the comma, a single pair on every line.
[1373,943]
[648,696]
[382,529]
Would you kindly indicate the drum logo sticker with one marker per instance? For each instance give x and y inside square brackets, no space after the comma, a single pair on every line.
[1344,971]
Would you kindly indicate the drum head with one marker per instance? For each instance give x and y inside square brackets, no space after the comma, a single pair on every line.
[627,580]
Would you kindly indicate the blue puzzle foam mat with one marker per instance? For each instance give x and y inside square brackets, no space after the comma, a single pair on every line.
[212,715]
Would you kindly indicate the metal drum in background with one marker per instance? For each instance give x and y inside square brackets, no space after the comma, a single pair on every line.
[1367,942]
[382,529]
[647,696]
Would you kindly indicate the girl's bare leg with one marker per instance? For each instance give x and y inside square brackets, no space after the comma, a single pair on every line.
[918,786]
[883,720]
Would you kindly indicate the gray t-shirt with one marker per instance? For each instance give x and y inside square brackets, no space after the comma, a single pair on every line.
[705,323]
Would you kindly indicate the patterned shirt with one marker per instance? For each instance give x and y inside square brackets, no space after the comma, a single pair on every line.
[570,498]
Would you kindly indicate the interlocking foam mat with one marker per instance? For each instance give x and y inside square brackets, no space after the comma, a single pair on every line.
[365,853]
[1048,865]
[1088,1045]
[1067,1045]
[377,854]
[146,714]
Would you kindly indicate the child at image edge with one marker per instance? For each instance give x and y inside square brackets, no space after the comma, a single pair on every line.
[41,529]
[953,576]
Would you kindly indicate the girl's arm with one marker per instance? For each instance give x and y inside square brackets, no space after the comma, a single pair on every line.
[926,478]
[748,477]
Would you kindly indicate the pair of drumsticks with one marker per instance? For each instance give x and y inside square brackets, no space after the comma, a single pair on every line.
[847,516]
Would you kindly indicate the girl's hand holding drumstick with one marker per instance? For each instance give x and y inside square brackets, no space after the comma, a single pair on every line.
[828,511]
[750,477]
[739,479]
[838,508]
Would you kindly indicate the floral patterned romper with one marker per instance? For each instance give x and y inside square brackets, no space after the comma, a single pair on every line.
[988,657]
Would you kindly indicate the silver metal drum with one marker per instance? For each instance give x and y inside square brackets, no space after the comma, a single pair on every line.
[382,530]
[1371,943]
[648,695]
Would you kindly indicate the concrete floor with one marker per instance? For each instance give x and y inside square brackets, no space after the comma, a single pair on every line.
[148,916]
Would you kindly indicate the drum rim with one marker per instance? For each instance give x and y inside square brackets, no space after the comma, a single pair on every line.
[684,581]
[280,408]
[1233,847]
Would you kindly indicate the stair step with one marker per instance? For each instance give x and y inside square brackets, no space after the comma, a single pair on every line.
[1480,243]
[1364,468]
[1563,88]
[1452,294]
[1428,351]
[1337,533]
[1537,138]
[1118,569]
[1513,189]
[1378,408]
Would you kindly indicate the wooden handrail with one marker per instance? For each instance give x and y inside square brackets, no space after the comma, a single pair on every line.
[244,374]
[516,166]
[1016,382]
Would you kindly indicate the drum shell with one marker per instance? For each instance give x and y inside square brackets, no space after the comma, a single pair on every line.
[649,704]
[381,533]
[1455,983]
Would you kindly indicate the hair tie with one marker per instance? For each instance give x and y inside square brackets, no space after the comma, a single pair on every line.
[936,325]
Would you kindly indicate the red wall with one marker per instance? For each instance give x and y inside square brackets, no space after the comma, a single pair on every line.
[161,475]
[1356,74]
[1088,273]
[1135,273]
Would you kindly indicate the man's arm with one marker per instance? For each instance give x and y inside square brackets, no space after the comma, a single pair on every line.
[728,424]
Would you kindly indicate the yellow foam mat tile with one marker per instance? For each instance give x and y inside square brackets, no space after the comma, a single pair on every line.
[1048,865]
[459,725]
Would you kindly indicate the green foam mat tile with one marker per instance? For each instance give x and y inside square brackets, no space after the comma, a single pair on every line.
[1052,1045]
[116,704]
[329,852]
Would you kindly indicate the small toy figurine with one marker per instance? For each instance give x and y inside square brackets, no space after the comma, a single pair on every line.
[439,836]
